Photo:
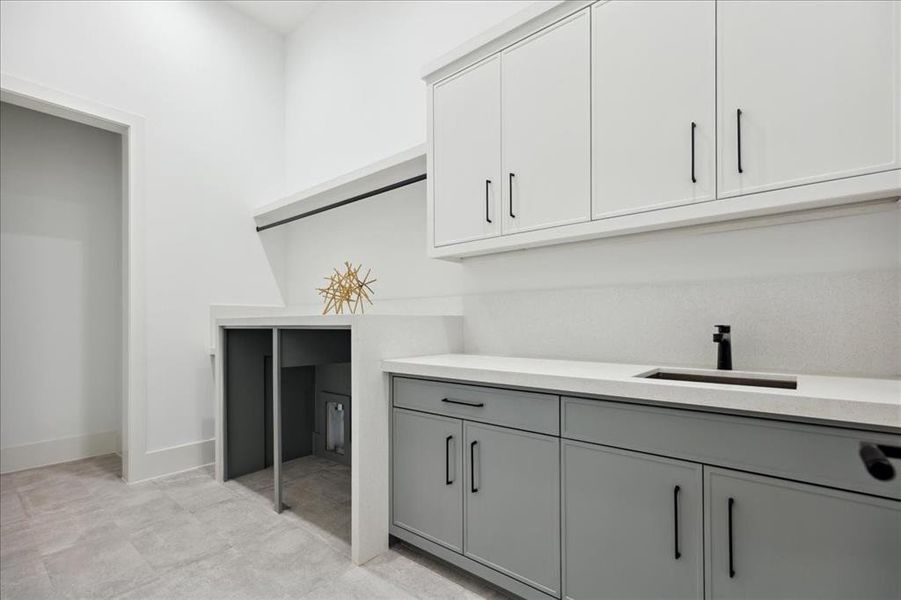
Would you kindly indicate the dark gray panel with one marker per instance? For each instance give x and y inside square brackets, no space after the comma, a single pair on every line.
[247,380]
[298,395]
[308,347]
[268,413]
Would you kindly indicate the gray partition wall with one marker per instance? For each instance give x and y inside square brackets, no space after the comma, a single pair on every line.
[248,408]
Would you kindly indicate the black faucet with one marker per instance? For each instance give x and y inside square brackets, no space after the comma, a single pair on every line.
[724,347]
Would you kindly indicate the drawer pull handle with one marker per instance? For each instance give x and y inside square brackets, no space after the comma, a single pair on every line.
[731,554]
[875,458]
[677,554]
[472,468]
[463,402]
[447,474]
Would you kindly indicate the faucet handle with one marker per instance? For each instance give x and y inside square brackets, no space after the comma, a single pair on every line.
[717,337]
[724,328]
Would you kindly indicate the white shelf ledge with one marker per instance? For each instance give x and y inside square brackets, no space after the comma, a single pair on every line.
[399,167]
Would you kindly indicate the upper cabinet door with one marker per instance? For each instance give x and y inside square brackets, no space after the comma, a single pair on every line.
[546,128]
[807,92]
[653,105]
[466,154]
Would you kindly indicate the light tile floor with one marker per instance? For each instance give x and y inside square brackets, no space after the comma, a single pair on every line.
[77,531]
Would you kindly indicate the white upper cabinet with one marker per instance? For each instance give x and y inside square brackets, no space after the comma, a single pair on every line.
[578,120]
[466,154]
[653,105]
[545,114]
[817,87]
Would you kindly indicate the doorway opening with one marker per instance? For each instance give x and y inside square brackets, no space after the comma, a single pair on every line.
[62,311]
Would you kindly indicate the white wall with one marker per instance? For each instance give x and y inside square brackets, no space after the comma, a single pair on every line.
[818,296]
[210,84]
[386,234]
[353,90]
[60,289]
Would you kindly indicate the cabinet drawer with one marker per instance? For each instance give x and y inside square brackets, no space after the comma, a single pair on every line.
[520,410]
[824,455]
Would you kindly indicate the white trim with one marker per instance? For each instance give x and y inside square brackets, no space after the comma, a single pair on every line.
[176,459]
[194,468]
[51,452]
[62,104]
[806,202]
[390,170]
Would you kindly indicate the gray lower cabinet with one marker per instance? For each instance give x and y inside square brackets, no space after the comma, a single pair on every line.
[770,538]
[637,501]
[427,480]
[513,503]
[632,525]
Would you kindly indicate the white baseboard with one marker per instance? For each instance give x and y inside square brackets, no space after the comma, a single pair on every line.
[167,461]
[51,452]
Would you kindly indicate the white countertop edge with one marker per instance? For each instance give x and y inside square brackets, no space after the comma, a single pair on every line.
[877,409]
[316,321]
[262,316]
[323,321]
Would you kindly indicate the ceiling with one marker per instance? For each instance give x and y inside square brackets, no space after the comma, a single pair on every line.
[282,16]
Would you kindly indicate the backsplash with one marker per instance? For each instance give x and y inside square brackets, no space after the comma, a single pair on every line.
[842,324]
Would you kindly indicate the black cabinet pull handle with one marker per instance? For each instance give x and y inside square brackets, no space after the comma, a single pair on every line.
[487,186]
[677,554]
[447,475]
[731,554]
[463,402]
[693,126]
[738,136]
[876,457]
[472,467]
[512,216]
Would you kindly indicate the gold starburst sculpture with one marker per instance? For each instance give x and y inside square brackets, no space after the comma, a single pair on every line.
[346,290]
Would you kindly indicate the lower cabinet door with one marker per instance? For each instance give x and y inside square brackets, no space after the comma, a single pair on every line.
[632,525]
[769,538]
[512,506]
[427,477]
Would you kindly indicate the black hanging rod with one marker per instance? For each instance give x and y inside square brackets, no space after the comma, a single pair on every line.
[362,196]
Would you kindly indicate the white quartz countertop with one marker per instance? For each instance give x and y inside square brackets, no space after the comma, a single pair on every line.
[846,401]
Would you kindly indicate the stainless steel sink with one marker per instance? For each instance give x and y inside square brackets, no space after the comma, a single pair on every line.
[723,377]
